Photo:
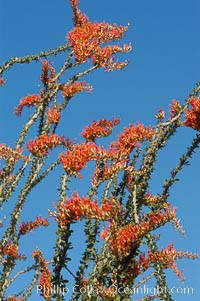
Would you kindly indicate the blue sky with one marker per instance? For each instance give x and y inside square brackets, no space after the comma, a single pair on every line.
[164,65]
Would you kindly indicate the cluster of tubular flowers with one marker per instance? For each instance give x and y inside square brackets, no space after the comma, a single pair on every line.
[28,101]
[2,81]
[29,226]
[45,282]
[130,138]
[86,40]
[100,128]
[41,145]
[53,116]
[175,220]
[192,116]
[122,239]
[160,115]
[104,57]
[78,155]
[144,262]
[175,108]
[106,171]
[75,159]
[166,257]
[79,18]
[9,155]
[48,73]
[68,91]
[150,199]
[77,208]
[9,250]
[119,152]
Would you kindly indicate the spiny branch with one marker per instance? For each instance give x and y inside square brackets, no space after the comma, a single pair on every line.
[34,57]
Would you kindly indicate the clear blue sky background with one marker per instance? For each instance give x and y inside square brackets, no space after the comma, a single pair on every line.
[165,65]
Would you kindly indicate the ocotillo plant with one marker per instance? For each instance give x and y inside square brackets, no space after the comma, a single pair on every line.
[119,213]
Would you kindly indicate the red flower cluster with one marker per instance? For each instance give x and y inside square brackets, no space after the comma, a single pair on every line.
[101,128]
[79,18]
[29,226]
[192,116]
[160,115]
[175,108]
[166,257]
[41,145]
[74,3]
[86,40]
[2,81]
[108,170]
[75,159]
[104,57]
[130,137]
[122,239]
[9,155]
[45,282]
[77,207]
[144,262]
[48,73]
[10,250]
[28,101]
[150,200]
[53,116]
[69,91]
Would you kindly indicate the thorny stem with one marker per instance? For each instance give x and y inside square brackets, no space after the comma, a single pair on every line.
[62,243]
[27,126]
[32,285]
[26,270]
[159,274]
[5,192]
[143,280]
[160,139]
[182,161]
[11,232]
[34,57]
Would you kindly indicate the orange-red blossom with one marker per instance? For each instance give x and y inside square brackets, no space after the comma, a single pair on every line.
[41,145]
[77,157]
[87,38]
[122,239]
[130,138]
[73,160]
[28,101]
[175,108]
[10,249]
[77,208]
[100,128]
[45,282]
[11,156]
[192,116]
[2,81]
[68,91]
[166,257]
[29,226]
[48,73]
[53,116]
